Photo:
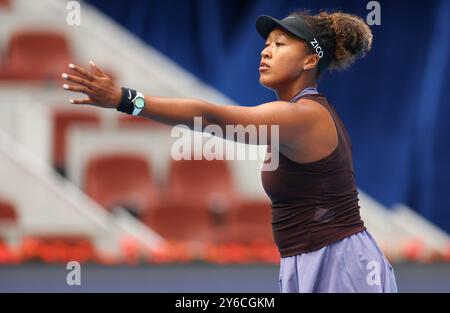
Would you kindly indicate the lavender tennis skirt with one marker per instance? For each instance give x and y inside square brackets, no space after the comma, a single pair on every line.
[353,264]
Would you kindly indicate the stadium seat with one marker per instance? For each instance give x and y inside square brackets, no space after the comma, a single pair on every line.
[201,183]
[178,223]
[7,212]
[63,119]
[198,194]
[121,180]
[248,222]
[5,4]
[36,55]
[8,229]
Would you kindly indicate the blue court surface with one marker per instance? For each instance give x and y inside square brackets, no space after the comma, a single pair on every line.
[190,278]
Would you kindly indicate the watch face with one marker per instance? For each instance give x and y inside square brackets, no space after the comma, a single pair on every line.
[139,103]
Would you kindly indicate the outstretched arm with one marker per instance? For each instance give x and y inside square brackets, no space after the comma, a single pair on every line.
[291,119]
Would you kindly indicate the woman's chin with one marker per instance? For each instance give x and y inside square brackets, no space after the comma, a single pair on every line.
[267,83]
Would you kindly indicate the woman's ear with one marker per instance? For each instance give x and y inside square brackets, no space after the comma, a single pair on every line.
[311,61]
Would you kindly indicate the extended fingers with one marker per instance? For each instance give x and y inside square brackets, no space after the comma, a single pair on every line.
[77,80]
[96,69]
[76,88]
[81,101]
[82,71]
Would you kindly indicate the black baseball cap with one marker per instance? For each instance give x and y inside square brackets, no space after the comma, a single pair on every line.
[296,26]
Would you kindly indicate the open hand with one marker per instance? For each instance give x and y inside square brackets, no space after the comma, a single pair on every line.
[94,83]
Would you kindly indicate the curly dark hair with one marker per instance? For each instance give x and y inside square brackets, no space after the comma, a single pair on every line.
[344,36]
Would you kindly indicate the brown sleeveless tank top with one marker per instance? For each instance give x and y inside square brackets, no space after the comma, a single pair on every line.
[314,204]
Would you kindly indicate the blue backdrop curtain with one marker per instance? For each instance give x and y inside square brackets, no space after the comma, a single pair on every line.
[395,102]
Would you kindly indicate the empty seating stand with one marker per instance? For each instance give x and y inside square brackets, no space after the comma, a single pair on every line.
[121,180]
[248,222]
[201,183]
[36,56]
[63,119]
[7,212]
[5,4]
[8,225]
[198,194]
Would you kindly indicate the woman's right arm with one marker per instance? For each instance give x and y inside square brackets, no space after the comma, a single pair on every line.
[292,119]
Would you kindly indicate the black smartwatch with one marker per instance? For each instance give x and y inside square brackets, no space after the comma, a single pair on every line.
[132,102]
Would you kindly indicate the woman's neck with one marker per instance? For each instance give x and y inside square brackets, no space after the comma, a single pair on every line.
[288,92]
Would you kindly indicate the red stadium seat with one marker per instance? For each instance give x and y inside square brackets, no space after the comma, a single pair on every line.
[121,179]
[248,222]
[36,55]
[5,4]
[177,223]
[8,225]
[201,183]
[62,121]
[198,193]
[7,212]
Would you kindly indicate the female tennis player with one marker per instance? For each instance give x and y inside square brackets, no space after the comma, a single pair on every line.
[323,243]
